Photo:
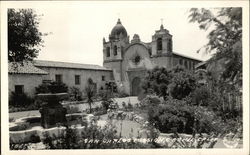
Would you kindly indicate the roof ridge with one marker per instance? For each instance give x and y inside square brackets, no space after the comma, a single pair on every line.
[67,62]
[180,54]
[60,64]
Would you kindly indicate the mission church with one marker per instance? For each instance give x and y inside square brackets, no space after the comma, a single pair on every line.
[130,60]
[125,62]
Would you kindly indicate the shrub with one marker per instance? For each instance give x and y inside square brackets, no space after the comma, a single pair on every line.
[34,106]
[20,100]
[130,106]
[94,137]
[124,105]
[177,82]
[179,116]
[75,94]
[206,121]
[174,116]
[150,100]
[183,83]
[11,119]
[52,87]
[106,98]
[201,95]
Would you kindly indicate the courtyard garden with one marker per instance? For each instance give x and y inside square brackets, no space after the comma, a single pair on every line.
[174,111]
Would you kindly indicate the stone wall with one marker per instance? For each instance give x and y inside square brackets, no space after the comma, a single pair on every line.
[129,67]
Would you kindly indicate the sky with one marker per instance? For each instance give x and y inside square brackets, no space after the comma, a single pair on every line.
[77,31]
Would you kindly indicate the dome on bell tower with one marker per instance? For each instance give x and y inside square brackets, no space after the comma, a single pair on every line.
[118,30]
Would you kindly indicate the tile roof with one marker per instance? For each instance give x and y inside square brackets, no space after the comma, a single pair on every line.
[200,64]
[43,63]
[26,68]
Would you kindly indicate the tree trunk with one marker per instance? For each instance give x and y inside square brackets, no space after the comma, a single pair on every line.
[90,109]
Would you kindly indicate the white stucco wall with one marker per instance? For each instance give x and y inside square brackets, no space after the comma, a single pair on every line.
[128,64]
[30,81]
[68,76]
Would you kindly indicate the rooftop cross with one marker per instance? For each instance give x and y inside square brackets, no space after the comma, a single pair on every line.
[119,21]
[162,23]
[118,15]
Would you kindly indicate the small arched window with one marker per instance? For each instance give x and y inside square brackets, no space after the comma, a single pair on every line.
[159,44]
[108,51]
[115,50]
[170,45]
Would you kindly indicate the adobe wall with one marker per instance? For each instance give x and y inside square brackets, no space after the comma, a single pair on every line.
[30,81]
[68,76]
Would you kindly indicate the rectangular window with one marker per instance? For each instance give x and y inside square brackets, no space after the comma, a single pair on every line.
[77,79]
[185,63]
[103,78]
[108,51]
[19,89]
[180,62]
[189,65]
[59,78]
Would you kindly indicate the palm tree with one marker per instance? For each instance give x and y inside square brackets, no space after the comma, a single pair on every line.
[90,92]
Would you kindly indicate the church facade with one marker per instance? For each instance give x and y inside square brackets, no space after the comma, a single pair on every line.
[130,60]
[125,62]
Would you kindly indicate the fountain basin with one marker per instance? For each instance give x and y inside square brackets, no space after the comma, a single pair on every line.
[52,98]
[25,129]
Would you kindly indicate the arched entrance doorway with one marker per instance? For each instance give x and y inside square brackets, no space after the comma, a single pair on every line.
[136,86]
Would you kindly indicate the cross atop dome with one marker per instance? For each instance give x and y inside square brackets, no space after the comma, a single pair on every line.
[119,21]
[162,27]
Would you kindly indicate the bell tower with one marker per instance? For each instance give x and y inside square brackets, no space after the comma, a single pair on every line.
[113,49]
[161,42]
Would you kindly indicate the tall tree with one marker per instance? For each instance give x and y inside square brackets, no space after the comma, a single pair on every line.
[225,37]
[177,82]
[24,37]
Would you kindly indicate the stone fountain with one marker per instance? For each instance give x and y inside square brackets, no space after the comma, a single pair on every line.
[53,121]
[52,112]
